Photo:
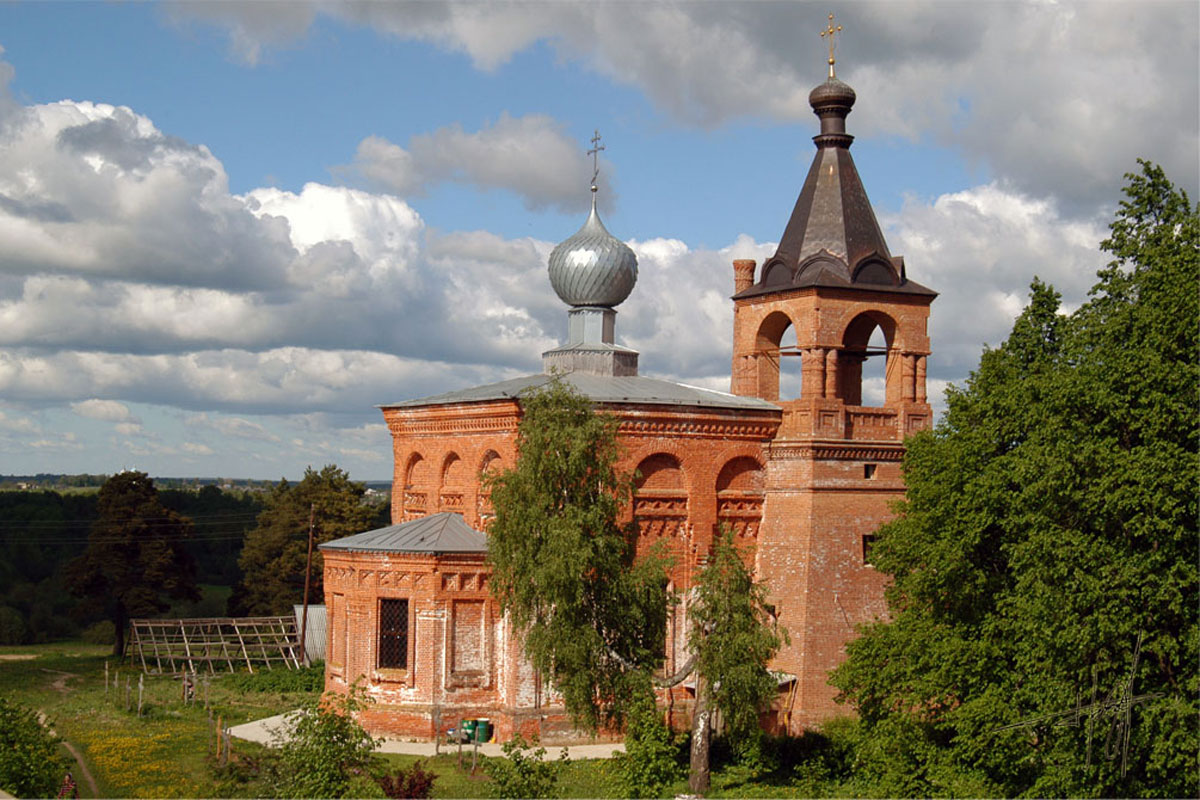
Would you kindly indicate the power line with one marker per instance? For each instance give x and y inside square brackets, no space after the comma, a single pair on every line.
[83,522]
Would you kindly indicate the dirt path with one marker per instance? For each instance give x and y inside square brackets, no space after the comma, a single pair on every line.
[84,772]
[60,684]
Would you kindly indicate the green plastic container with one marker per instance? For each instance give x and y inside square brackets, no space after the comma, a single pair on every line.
[467,727]
[483,730]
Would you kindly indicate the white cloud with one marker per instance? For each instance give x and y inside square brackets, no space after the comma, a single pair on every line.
[531,156]
[96,190]
[277,381]
[107,410]
[1056,98]
[18,424]
[60,441]
[980,248]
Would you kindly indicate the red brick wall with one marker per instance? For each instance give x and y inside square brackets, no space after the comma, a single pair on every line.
[793,484]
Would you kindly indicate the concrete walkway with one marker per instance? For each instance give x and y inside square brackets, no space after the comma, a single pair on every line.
[263,731]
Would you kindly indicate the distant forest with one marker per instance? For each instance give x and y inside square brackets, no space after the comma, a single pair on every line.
[42,529]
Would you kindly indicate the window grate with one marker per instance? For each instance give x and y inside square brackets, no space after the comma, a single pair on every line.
[393,634]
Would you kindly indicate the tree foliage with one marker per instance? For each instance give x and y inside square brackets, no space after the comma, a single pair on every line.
[1050,524]
[325,749]
[734,636]
[524,771]
[135,560]
[650,762]
[593,619]
[274,554]
[29,762]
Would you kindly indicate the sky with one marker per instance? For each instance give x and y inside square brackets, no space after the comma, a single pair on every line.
[229,231]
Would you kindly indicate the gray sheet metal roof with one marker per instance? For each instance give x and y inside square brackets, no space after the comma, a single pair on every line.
[600,389]
[445,532]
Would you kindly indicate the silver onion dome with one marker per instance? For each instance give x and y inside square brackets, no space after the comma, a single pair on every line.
[593,267]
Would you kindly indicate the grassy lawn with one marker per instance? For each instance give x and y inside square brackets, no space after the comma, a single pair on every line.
[163,753]
[167,751]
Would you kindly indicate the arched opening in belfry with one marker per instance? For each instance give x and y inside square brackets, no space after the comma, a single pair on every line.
[874,370]
[777,360]
[863,360]
[789,367]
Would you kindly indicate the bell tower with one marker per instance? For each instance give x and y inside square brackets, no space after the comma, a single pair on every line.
[833,298]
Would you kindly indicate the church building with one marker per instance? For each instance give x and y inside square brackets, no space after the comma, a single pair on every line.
[803,480]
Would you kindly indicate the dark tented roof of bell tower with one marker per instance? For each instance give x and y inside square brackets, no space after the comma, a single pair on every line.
[832,238]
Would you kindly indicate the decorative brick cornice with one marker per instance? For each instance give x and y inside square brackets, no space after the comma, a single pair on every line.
[439,426]
[698,428]
[834,452]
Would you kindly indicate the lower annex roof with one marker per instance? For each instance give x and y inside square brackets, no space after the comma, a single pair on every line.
[599,389]
[445,532]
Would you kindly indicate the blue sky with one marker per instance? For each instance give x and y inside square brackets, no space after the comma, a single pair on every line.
[227,231]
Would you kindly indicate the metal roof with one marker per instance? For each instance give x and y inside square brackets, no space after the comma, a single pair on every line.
[832,238]
[445,532]
[314,636]
[600,389]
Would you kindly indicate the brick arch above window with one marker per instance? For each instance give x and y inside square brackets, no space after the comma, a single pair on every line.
[661,471]
[490,463]
[660,499]
[742,474]
[416,489]
[454,473]
[740,488]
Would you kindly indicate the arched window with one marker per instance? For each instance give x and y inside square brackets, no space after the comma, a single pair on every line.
[660,500]
[740,496]
[488,465]
[453,478]
[416,487]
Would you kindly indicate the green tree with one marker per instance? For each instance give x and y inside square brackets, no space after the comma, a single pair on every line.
[274,554]
[593,618]
[135,561]
[325,748]
[734,636]
[29,762]
[1050,526]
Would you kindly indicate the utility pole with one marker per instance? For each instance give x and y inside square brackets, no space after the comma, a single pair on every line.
[312,514]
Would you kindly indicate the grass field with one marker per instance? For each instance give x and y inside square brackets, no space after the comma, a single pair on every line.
[166,752]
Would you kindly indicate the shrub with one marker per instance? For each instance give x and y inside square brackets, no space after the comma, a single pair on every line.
[101,632]
[307,679]
[416,783]
[520,774]
[12,626]
[651,759]
[29,764]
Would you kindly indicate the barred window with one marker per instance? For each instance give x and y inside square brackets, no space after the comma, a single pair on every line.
[393,634]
